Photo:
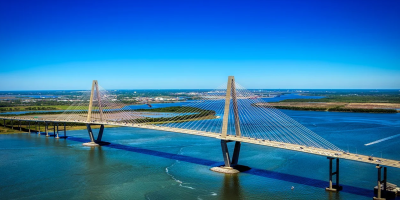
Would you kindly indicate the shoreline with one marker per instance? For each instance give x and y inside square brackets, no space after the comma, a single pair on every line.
[335,107]
[8,130]
[62,107]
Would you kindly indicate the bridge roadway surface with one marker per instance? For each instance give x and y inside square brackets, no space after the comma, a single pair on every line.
[281,145]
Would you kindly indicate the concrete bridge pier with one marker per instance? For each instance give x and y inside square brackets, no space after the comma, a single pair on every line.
[225,153]
[57,132]
[19,125]
[381,196]
[29,126]
[4,122]
[65,131]
[54,129]
[336,187]
[38,130]
[95,142]
[231,166]
[46,128]
[12,125]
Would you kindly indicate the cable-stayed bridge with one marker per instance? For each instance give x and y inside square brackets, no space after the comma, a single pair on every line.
[230,114]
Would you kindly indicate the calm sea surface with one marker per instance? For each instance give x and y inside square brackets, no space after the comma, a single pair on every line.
[148,164]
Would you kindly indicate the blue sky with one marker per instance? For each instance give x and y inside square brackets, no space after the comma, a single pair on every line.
[183,44]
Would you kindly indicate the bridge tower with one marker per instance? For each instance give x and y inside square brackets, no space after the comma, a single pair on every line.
[89,121]
[230,94]
[95,89]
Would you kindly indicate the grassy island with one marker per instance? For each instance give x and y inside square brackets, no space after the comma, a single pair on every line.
[365,101]
[335,109]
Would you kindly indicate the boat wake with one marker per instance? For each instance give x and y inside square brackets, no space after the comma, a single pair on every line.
[381,140]
[181,184]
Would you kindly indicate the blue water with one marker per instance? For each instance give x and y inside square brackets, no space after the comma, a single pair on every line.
[291,96]
[148,164]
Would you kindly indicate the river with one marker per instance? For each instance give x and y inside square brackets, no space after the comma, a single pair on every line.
[149,164]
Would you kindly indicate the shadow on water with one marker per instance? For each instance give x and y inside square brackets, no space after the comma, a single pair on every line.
[231,189]
[95,160]
[94,173]
[253,171]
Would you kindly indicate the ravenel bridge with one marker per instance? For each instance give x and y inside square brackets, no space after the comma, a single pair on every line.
[228,114]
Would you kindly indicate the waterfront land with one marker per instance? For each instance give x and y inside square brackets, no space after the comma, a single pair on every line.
[6,130]
[148,116]
[372,101]
[351,96]
[43,108]
[24,128]
[338,106]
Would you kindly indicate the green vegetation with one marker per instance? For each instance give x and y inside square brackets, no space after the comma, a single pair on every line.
[25,123]
[171,109]
[338,109]
[166,109]
[199,114]
[6,130]
[351,99]
[21,108]
[18,103]
[178,119]
[300,108]
[351,96]
[34,127]
[36,113]
[30,108]
[193,113]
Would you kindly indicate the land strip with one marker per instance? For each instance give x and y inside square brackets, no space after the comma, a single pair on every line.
[337,106]
[24,128]
[40,108]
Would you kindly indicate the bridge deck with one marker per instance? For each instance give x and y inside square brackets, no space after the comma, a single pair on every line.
[281,145]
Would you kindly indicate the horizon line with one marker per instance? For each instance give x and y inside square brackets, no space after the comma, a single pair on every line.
[201,89]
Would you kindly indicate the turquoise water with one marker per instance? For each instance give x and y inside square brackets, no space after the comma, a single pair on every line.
[148,164]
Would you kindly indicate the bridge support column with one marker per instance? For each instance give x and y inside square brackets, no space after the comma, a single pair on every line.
[4,122]
[381,196]
[57,131]
[336,187]
[95,142]
[29,126]
[54,129]
[19,126]
[225,153]
[236,151]
[230,166]
[46,128]
[38,132]
[65,131]
[12,126]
